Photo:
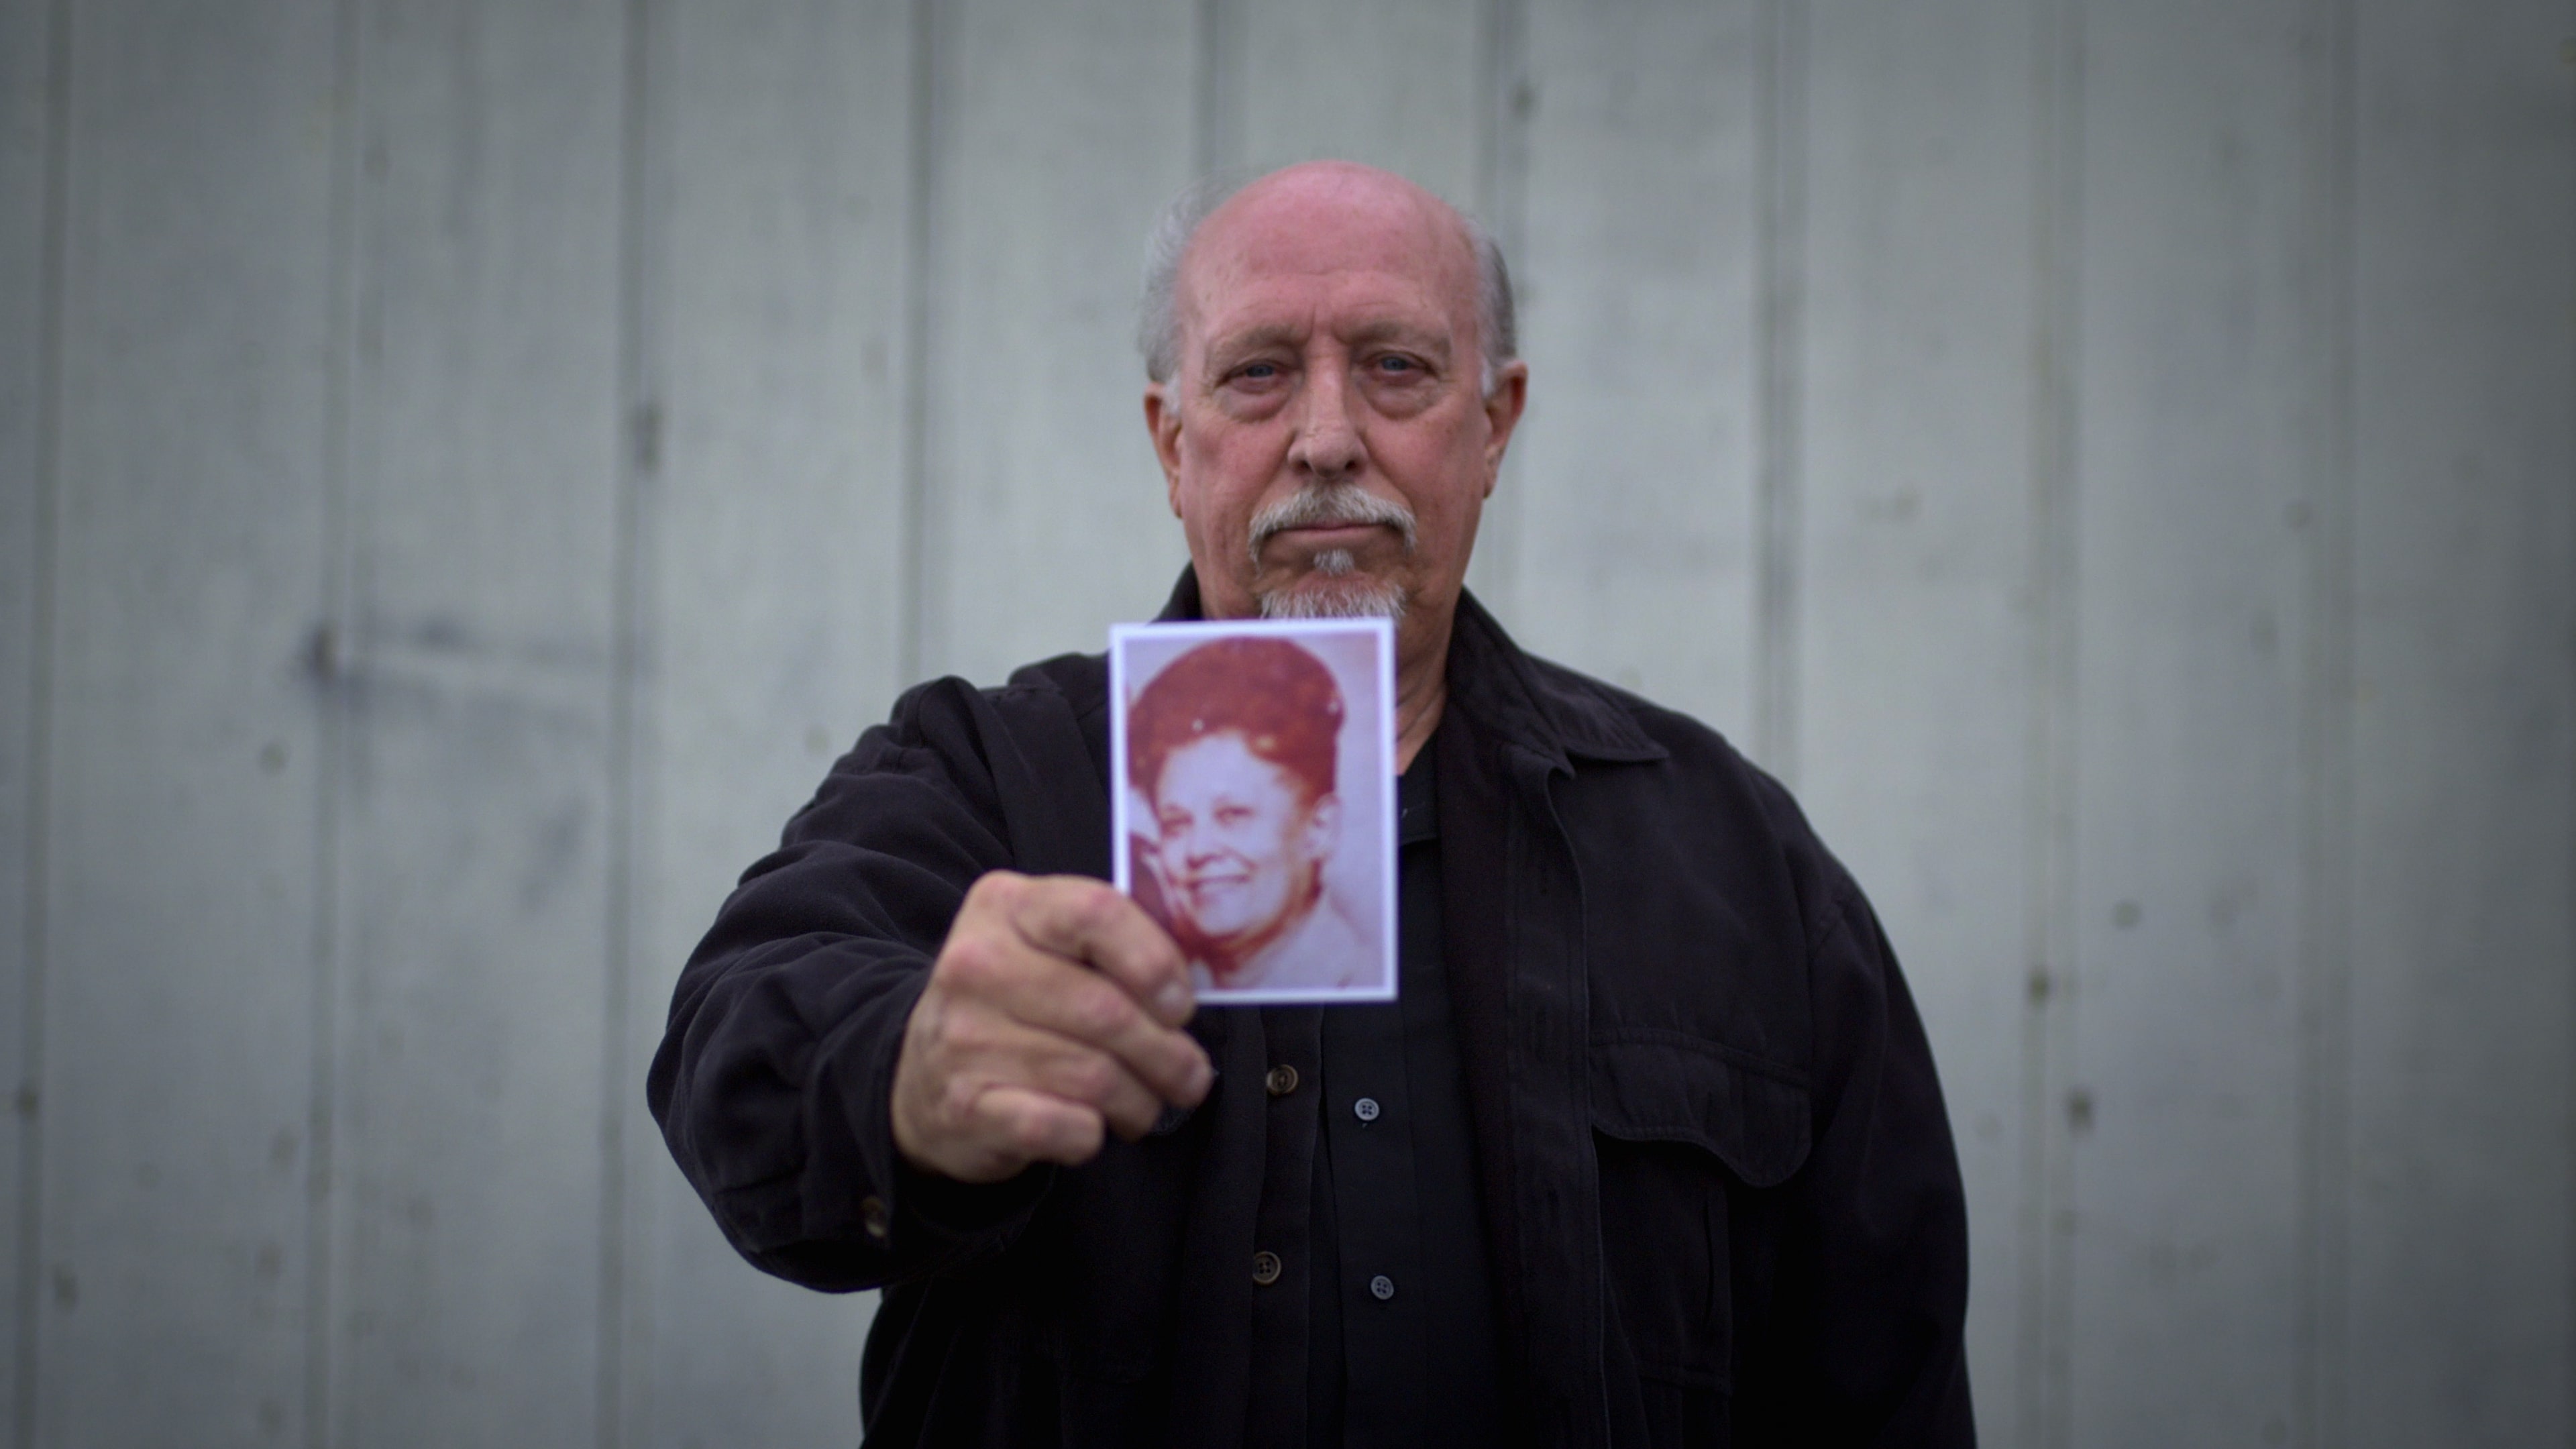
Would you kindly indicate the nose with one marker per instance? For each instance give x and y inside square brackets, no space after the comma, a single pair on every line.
[1327,446]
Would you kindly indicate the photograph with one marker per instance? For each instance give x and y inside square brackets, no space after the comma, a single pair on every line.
[1256,815]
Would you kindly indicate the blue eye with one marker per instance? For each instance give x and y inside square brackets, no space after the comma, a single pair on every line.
[1260,371]
[1395,364]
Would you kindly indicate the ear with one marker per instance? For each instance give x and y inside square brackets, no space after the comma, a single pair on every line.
[1502,414]
[1163,425]
[1323,826]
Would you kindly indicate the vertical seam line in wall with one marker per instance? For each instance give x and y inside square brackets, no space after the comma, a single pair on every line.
[1782,162]
[27,1099]
[1502,179]
[1502,157]
[1217,136]
[2328,243]
[635,453]
[2047,1302]
[322,677]
[2038,833]
[915,578]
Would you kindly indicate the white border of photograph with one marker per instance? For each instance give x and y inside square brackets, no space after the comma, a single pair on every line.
[1364,757]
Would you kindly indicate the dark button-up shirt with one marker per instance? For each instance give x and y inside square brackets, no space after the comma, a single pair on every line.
[1371,1192]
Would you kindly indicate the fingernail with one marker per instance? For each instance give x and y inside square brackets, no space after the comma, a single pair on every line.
[1173,1001]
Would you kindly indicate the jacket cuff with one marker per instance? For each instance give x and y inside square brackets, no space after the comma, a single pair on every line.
[921,1221]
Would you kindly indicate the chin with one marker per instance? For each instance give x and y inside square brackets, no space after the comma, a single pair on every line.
[1351,596]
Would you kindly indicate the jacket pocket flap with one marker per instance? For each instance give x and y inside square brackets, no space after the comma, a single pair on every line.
[1659,1086]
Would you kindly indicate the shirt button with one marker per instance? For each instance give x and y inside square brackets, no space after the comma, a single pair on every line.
[1382,1287]
[1265,1269]
[1282,1080]
[1366,1110]
[872,1216]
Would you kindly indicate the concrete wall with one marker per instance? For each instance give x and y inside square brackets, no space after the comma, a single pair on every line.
[466,467]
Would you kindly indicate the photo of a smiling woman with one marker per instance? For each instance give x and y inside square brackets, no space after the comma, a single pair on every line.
[1232,752]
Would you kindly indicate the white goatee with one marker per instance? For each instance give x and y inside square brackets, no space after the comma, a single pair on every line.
[1347,594]
[1343,598]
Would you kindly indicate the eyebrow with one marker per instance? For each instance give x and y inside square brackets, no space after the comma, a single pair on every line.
[1391,330]
[1276,334]
[1257,339]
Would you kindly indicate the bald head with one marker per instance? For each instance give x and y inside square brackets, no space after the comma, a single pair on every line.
[1296,206]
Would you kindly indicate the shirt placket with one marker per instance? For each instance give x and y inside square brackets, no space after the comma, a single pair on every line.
[1368,1127]
[1282,1262]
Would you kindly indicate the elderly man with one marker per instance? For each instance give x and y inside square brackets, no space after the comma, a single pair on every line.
[1650,1149]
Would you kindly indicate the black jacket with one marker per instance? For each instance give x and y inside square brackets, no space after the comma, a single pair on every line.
[1719,1189]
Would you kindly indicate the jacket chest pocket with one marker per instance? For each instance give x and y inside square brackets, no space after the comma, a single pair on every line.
[1678,1128]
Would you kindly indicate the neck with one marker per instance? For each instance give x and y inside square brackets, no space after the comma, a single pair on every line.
[1421,687]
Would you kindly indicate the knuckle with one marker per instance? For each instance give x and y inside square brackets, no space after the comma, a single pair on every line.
[994,889]
[1167,1076]
[1130,1099]
[1175,1069]
[1034,1133]
[971,962]
[1098,1010]
[1095,905]
[1083,1135]
[1093,1078]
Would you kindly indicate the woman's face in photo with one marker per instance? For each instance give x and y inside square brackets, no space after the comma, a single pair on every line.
[1239,842]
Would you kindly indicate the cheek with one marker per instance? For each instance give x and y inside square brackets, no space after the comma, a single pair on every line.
[1441,467]
[1209,492]
[1443,513]
[1234,840]
[1234,456]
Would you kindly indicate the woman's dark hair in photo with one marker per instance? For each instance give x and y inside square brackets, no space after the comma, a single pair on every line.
[1277,696]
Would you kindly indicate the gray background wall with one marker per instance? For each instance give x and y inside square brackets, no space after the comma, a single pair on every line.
[466,467]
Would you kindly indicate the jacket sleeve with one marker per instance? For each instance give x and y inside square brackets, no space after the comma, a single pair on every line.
[1874,1261]
[776,1066]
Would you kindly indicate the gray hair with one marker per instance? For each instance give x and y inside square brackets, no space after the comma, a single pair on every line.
[1158,317]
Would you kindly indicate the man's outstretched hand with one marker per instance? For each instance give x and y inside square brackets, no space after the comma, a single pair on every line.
[1053,1014]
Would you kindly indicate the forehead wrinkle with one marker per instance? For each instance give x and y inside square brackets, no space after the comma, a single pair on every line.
[1263,336]
[1368,308]
[1423,244]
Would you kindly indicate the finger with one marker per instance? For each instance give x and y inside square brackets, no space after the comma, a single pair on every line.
[1032,1126]
[1088,920]
[1054,993]
[974,1128]
[1067,1001]
[1101,1082]
[982,1046]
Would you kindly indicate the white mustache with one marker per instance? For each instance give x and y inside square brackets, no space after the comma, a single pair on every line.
[1330,505]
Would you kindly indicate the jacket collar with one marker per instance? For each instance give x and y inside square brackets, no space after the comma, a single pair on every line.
[1556,714]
